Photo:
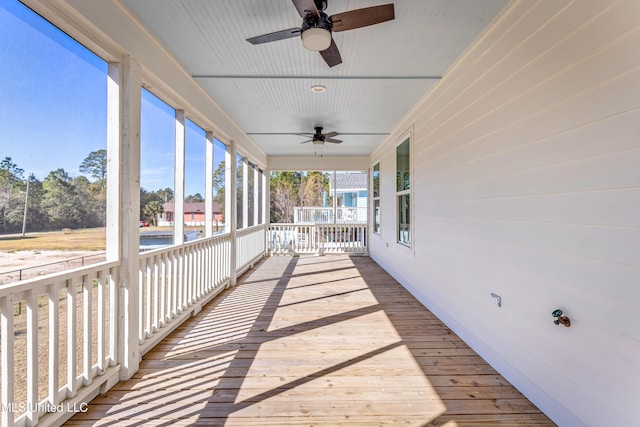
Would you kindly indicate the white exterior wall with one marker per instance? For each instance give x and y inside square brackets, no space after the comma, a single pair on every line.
[526,183]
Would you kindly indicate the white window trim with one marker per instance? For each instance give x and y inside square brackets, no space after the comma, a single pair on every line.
[375,199]
[406,135]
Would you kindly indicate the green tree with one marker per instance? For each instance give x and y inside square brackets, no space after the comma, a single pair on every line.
[194,198]
[218,186]
[285,195]
[152,209]
[63,204]
[11,197]
[37,218]
[95,164]
[166,194]
[313,187]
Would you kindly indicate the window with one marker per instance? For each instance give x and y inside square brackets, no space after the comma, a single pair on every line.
[157,161]
[194,179]
[260,196]
[403,192]
[376,198]
[219,178]
[53,127]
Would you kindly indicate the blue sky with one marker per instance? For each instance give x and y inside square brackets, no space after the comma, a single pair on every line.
[53,107]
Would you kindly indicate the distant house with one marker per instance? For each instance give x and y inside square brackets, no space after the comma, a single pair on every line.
[350,189]
[194,214]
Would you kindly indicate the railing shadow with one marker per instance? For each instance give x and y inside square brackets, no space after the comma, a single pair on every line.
[218,370]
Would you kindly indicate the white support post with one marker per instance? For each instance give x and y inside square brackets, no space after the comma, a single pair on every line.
[231,207]
[256,192]
[128,155]
[266,209]
[245,193]
[368,233]
[114,162]
[178,198]
[116,186]
[335,198]
[208,192]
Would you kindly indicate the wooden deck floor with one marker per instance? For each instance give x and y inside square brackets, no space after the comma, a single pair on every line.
[315,341]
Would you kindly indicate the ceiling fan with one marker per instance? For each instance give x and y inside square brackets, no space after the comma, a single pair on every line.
[320,138]
[317,26]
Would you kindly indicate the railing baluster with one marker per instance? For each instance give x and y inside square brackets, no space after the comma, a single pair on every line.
[148,298]
[141,271]
[114,277]
[88,332]
[100,279]
[71,339]
[156,293]
[163,304]
[54,343]
[32,356]
[8,373]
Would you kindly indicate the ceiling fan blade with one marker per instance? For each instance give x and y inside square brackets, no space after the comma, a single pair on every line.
[304,142]
[333,140]
[362,17]
[332,55]
[331,134]
[306,6]
[272,37]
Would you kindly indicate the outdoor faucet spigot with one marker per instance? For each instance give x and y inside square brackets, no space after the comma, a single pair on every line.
[560,319]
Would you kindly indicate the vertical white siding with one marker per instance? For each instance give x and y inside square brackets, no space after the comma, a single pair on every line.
[526,183]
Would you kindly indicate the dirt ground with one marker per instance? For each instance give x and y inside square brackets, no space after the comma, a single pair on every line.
[38,262]
[35,263]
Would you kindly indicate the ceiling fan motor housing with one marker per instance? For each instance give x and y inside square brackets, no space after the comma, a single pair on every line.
[323,21]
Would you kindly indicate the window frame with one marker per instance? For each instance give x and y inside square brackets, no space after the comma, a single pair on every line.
[375,196]
[403,194]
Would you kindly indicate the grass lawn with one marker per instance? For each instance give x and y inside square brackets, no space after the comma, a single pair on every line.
[88,239]
[91,239]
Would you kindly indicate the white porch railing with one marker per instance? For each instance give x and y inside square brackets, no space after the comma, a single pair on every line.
[60,333]
[59,338]
[174,279]
[325,215]
[250,243]
[56,358]
[317,238]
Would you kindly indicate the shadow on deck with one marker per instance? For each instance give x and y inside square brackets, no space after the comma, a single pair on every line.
[313,341]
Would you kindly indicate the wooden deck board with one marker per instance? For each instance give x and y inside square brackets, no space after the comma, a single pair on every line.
[330,341]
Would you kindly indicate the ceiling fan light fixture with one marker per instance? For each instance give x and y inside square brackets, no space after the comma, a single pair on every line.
[318,89]
[317,39]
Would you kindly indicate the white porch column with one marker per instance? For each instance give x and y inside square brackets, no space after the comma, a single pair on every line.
[123,192]
[178,191]
[245,193]
[231,207]
[256,192]
[335,197]
[208,186]
[266,207]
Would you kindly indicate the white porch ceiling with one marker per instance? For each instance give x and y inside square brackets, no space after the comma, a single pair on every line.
[387,68]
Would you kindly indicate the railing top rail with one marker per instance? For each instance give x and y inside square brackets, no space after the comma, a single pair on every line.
[253,228]
[60,276]
[173,247]
[318,224]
